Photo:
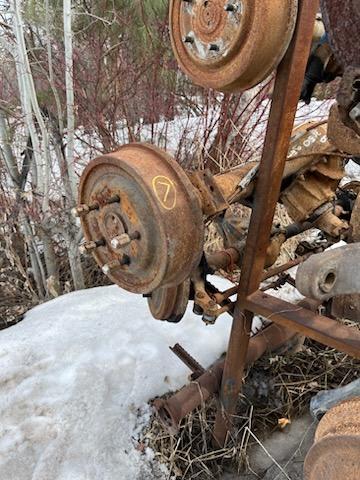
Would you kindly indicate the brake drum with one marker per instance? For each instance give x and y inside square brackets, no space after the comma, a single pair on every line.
[231,45]
[170,304]
[336,451]
[141,193]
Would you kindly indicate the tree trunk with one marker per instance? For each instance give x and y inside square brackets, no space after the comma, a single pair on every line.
[75,264]
[52,268]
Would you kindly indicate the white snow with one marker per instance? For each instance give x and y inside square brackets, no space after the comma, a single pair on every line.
[73,375]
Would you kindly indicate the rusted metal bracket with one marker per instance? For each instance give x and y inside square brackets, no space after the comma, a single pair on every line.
[322,329]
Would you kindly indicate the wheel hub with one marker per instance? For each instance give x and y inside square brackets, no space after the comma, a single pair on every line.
[144,216]
[230,45]
[211,33]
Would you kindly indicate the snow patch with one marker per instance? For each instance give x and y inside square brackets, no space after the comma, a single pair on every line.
[73,376]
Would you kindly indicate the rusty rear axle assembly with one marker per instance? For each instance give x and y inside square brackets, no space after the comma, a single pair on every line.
[144,218]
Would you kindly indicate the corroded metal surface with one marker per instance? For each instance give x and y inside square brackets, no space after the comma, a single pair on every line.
[343,137]
[187,359]
[317,168]
[346,306]
[231,45]
[318,327]
[348,99]
[329,274]
[355,219]
[342,20]
[156,202]
[336,451]
[170,303]
[174,409]
[213,199]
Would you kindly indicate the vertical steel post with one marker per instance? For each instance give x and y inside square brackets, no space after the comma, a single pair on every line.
[286,94]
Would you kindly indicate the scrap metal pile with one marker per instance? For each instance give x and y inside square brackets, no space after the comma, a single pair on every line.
[144,217]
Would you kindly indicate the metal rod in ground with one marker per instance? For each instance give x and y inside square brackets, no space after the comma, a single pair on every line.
[286,94]
[186,358]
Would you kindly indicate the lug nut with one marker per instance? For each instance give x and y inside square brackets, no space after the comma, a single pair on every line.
[213,47]
[83,209]
[124,239]
[109,267]
[87,247]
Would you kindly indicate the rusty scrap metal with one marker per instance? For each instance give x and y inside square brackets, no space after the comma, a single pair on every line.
[313,188]
[342,136]
[212,197]
[225,49]
[187,359]
[170,303]
[348,99]
[239,182]
[342,21]
[355,218]
[272,272]
[322,329]
[346,306]
[283,268]
[175,408]
[318,171]
[285,98]
[87,247]
[225,259]
[155,199]
[336,451]
[143,217]
[331,273]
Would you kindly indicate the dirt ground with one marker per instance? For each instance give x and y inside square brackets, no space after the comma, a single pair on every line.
[282,455]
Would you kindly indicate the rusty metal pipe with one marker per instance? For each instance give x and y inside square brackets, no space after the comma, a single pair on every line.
[223,259]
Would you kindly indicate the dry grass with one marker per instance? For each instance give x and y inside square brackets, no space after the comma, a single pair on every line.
[276,387]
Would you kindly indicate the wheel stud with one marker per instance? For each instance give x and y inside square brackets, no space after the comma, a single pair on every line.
[124,239]
[87,247]
[109,267]
[83,209]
